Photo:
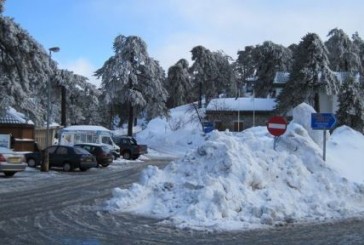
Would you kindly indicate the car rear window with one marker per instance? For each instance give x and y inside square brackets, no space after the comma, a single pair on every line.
[79,150]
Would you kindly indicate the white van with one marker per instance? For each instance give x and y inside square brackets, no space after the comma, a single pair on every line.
[88,134]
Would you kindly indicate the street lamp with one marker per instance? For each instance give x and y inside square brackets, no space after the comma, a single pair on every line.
[45,165]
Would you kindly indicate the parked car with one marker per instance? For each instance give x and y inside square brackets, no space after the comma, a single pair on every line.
[11,162]
[129,148]
[33,159]
[103,154]
[62,156]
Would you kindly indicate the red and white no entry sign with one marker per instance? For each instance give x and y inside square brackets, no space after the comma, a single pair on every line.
[277,125]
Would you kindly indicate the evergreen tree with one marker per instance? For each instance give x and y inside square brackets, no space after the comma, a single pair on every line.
[351,105]
[178,84]
[2,2]
[358,44]
[244,67]
[310,75]
[82,99]
[212,73]
[225,81]
[269,59]
[342,53]
[25,70]
[133,79]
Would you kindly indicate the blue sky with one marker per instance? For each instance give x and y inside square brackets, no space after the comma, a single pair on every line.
[85,29]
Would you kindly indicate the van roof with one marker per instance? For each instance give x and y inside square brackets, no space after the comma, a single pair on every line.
[86,128]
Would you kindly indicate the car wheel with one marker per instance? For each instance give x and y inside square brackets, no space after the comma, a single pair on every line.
[126,155]
[9,174]
[31,163]
[67,167]
[104,165]
[83,169]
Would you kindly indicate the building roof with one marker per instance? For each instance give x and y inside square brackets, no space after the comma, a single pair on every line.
[281,77]
[241,104]
[11,116]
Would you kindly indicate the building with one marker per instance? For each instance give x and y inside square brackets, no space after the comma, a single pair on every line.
[20,130]
[239,114]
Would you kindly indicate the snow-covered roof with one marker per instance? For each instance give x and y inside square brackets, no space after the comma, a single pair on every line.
[281,77]
[86,127]
[342,76]
[241,104]
[11,116]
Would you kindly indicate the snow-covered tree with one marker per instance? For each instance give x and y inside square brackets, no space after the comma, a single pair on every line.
[131,78]
[310,75]
[212,73]
[178,84]
[2,6]
[342,53]
[25,70]
[358,43]
[225,81]
[244,67]
[269,58]
[351,105]
[80,96]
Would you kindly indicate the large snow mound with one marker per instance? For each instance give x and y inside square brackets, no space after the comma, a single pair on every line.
[239,181]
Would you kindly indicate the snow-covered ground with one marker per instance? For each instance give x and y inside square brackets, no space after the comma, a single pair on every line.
[228,181]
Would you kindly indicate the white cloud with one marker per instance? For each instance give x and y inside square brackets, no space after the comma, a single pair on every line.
[83,67]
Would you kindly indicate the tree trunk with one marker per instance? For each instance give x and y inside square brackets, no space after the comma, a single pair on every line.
[63,106]
[130,120]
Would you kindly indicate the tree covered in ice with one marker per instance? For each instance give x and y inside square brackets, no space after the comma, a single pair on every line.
[244,67]
[358,44]
[179,84]
[310,75]
[2,6]
[351,104]
[212,74]
[342,53]
[269,58]
[133,81]
[25,69]
[80,96]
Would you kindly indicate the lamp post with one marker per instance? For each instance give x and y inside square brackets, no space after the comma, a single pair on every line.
[45,164]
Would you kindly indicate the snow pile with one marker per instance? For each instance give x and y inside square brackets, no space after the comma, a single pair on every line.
[238,181]
[175,135]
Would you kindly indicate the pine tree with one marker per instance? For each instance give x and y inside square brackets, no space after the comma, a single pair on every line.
[212,73]
[342,53]
[244,67]
[358,44]
[351,105]
[269,59]
[25,70]
[131,78]
[178,83]
[310,75]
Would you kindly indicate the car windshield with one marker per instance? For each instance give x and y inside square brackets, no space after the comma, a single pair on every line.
[79,150]
[133,141]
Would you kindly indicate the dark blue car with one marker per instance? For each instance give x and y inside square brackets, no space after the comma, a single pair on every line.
[66,157]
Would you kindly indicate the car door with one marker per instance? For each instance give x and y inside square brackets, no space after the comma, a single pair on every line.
[60,156]
[50,151]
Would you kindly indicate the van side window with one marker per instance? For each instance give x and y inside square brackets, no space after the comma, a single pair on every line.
[106,140]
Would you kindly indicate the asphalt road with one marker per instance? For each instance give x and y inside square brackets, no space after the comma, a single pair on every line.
[68,209]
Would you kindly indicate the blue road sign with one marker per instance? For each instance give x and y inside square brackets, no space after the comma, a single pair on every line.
[322,120]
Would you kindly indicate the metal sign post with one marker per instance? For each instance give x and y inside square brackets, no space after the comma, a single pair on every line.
[277,126]
[323,121]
